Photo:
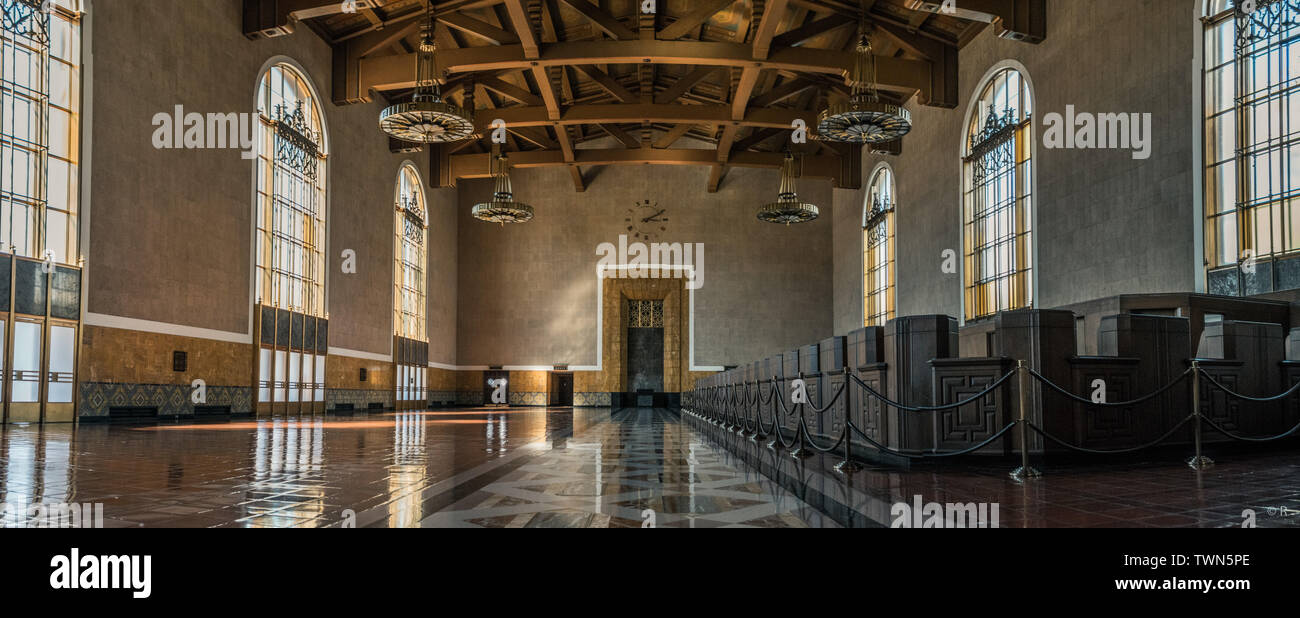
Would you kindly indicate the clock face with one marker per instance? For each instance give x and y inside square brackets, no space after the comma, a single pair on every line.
[646,221]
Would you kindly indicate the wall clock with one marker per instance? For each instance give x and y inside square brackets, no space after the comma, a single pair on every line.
[646,221]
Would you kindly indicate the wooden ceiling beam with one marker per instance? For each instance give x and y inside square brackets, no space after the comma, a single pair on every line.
[621,135]
[481,29]
[685,84]
[523,27]
[398,71]
[602,20]
[508,89]
[692,21]
[812,29]
[1020,20]
[774,11]
[790,88]
[614,113]
[608,83]
[477,165]
[671,137]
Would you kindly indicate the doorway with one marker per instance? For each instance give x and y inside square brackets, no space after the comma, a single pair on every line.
[561,389]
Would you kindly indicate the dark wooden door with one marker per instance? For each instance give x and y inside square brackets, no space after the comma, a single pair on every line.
[563,390]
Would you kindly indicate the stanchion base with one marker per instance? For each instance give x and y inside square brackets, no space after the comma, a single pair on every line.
[801,453]
[774,445]
[1025,472]
[848,467]
[1200,463]
[756,438]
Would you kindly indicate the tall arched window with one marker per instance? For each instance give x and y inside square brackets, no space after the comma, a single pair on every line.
[878,249]
[1252,142]
[40,137]
[291,204]
[291,194]
[409,284]
[998,197]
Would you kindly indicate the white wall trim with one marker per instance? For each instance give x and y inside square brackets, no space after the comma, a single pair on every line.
[384,358]
[163,328]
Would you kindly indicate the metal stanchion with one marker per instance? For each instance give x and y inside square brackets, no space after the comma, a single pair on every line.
[848,466]
[1025,471]
[775,443]
[800,451]
[1198,461]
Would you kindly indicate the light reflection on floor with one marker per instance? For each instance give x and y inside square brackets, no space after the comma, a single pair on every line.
[393,469]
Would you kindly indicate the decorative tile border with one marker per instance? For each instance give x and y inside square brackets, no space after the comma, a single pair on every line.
[442,397]
[359,398]
[170,399]
[591,400]
[469,398]
[528,399]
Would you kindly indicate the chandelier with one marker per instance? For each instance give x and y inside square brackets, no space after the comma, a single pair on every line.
[787,208]
[864,119]
[503,208]
[427,119]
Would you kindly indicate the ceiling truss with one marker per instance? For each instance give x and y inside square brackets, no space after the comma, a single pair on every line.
[590,83]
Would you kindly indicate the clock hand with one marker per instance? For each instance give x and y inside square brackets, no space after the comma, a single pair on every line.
[654,217]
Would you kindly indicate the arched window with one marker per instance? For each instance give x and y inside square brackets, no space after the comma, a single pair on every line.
[409,283]
[292,159]
[291,172]
[1252,140]
[878,249]
[998,197]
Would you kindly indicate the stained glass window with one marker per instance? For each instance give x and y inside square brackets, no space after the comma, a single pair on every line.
[878,250]
[998,198]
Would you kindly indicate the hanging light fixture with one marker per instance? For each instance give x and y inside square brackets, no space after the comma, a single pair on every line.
[427,119]
[788,208]
[864,119]
[503,208]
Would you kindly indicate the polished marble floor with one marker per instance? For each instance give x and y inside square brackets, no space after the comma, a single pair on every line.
[485,467]
[562,467]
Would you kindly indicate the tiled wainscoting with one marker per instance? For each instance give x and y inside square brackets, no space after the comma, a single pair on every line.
[469,398]
[528,399]
[360,399]
[97,398]
[442,398]
[592,400]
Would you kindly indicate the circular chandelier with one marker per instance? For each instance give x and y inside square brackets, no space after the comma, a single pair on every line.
[864,119]
[788,208]
[503,208]
[427,119]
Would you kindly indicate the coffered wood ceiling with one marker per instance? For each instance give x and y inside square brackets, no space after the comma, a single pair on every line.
[584,83]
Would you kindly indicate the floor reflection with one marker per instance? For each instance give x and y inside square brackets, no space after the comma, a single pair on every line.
[406,469]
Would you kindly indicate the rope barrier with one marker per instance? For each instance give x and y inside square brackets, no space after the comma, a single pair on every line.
[1040,431]
[1232,393]
[906,408]
[1219,428]
[731,405]
[1118,404]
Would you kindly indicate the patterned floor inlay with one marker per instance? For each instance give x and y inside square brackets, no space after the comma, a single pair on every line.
[642,468]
